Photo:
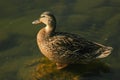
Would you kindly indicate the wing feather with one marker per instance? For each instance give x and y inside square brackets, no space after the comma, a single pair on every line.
[74,44]
[71,46]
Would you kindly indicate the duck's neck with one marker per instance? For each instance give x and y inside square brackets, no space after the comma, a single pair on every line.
[46,32]
[50,28]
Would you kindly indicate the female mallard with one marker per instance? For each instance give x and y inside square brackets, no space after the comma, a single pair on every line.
[66,48]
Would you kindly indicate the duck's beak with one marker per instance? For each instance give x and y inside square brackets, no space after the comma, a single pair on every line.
[36,22]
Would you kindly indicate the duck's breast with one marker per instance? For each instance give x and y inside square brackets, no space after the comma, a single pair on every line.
[44,44]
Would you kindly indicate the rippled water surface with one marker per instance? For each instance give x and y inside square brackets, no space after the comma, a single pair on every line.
[20,58]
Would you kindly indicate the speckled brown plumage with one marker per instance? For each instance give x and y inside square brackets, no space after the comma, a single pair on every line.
[66,48]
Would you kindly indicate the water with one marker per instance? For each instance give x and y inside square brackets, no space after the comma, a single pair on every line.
[20,59]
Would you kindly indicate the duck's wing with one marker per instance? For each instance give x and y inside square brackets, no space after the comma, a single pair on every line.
[75,48]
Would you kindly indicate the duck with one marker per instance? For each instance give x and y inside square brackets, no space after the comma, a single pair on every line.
[65,48]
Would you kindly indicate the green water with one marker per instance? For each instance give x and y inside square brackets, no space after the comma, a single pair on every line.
[96,20]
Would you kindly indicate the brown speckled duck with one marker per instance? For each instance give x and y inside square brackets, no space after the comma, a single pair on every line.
[66,48]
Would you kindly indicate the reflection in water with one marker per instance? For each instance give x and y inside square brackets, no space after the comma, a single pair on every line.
[46,70]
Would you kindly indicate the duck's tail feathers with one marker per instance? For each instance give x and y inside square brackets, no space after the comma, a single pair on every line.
[104,52]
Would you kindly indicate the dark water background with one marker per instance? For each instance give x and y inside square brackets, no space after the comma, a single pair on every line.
[96,20]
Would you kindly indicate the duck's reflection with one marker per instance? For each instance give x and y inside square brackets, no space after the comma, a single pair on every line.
[77,71]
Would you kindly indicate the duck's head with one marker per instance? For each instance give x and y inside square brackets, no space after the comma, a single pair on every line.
[47,18]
